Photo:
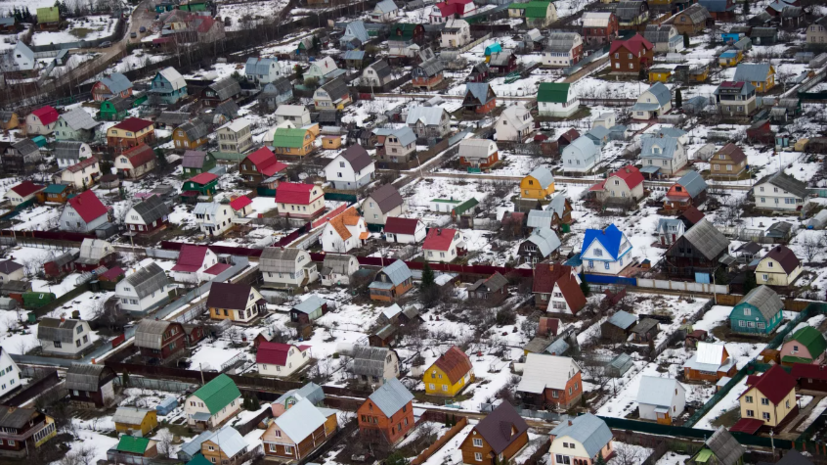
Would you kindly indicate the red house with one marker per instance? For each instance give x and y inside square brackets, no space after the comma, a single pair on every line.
[479,98]
[298,200]
[760,132]
[386,416]
[599,27]
[630,56]
[689,190]
[259,166]
[160,339]
[62,265]
[503,62]
[115,85]
[129,133]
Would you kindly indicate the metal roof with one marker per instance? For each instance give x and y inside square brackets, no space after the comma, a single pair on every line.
[336,89]
[278,260]
[430,116]
[693,182]
[78,119]
[54,329]
[148,279]
[657,391]
[752,72]
[545,239]
[173,77]
[338,263]
[543,372]
[356,30]
[596,19]
[391,397]
[93,251]
[259,66]
[310,304]
[543,175]
[150,333]
[226,88]
[587,429]
[659,147]
[540,218]
[387,197]
[15,417]
[229,440]
[726,448]
[705,237]
[83,377]
[300,420]
[369,361]
[130,415]
[398,272]
[622,319]
[151,209]
[68,150]
[786,182]
[765,300]
[655,33]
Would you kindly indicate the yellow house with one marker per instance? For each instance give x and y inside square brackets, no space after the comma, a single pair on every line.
[137,422]
[539,184]
[769,397]
[760,75]
[730,58]
[699,74]
[449,374]
[780,267]
[237,302]
[660,74]
[298,142]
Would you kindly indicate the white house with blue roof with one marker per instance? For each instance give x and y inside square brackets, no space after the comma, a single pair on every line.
[355,36]
[653,102]
[384,12]
[664,152]
[660,399]
[265,70]
[168,86]
[580,440]
[581,156]
[606,251]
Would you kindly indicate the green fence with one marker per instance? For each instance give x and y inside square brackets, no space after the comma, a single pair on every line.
[265,192]
[340,197]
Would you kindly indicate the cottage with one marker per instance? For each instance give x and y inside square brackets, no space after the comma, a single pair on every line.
[235,137]
[563,49]
[383,203]
[351,169]
[265,70]
[377,75]
[9,120]
[213,218]
[645,330]
[81,175]
[300,430]
[298,142]
[581,155]
[391,282]
[261,166]
[618,327]
[83,213]
[780,267]
[711,362]
[541,245]
[404,230]
[479,98]
[10,377]
[136,162]
[309,310]
[515,124]
[221,91]
[114,85]
[90,385]
[428,122]
[75,125]
[11,271]
[550,380]
[276,93]
[624,186]
[729,161]
[196,162]
[478,153]
[213,404]
[311,392]
[689,190]
[95,253]
[736,100]
[665,153]
[502,433]
[441,12]
[299,115]
[344,232]
[632,55]
[583,439]
[374,366]
[58,267]
[196,264]
[817,33]
[116,109]
[63,337]
[295,200]
[135,422]
[557,100]
[287,268]
[334,95]
[190,135]
[693,20]
[698,251]
[609,246]
[323,70]
[21,157]
[167,87]
[760,75]
[492,290]
[632,13]
[387,415]
[42,121]
[652,103]
[806,345]
[23,194]
[20,61]
[159,340]
[780,192]
[665,38]
[201,186]
[239,303]
[404,40]
[226,446]
[660,399]
[281,360]
[355,36]
[443,245]
[769,399]
[758,312]
[599,27]
[68,152]
[455,34]
[337,269]
[479,73]
[143,290]
[538,184]
[669,230]
[129,133]
[24,429]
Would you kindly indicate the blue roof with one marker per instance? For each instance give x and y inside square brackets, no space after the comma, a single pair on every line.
[729,54]
[623,319]
[588,430]
[659,147]
[356,30]
[716,6]
[116,83]
[650,169]
[693,183]
[751,72]
[258,66]
[310,305]
[661,93]
[354,55]
[610,239]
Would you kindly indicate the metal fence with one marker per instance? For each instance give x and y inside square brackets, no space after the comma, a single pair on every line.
[168,385]
[92,43]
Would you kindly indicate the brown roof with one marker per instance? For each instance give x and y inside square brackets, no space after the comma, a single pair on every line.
[348,217]
[783,255]
[734,152]
[230,296]
[140,155]
[549,326]
[569,135]
[501,427]
[546,275]
[454,363]
[692,214]
[387,197]
[358,157]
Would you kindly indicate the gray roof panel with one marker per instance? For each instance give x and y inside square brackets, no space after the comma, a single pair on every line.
[391,397]
[707,239]
[148,279]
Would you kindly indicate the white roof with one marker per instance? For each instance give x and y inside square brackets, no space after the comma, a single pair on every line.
[515,113]
[710,353]
[290,110]
[657,391]
[546,372]
[300,420]
[392,311]
[130,415]
[229,440]
[174,77]
[236,125]
[595,19]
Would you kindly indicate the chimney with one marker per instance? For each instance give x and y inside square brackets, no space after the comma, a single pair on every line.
[62,319]
[438,232]
[570,423]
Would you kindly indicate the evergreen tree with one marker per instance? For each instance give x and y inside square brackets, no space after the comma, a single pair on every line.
[125,378]
[162,158]
[749,282]
[678,99]
[396,458]
[746,9]
[428,280]
[584,286]
[299,73]
[600,460]
[686,40]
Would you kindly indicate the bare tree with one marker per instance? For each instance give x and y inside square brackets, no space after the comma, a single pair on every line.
[626,454]
[164,439]
[811,245]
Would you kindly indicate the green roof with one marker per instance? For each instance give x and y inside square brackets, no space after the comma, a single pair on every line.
[405,32]
[465,206]
[794,359]
[812,339]
[703,456]
[446,201]
[289,137]
[218,393]
[517,6]
[199,460]
[55,188]
[132,444]
[553,92]
[536,10]
[48,15]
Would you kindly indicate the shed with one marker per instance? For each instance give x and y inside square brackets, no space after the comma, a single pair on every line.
[166,406]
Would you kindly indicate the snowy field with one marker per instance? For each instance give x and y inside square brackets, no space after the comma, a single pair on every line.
[86,28]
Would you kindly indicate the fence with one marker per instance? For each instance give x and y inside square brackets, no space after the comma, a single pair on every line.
[427,453]
[34,389]
[683,286]
[168,385]
[92,43]
[605,279]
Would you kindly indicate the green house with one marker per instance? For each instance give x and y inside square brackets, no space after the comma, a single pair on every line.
[132,445]
[197,162]
[759,312]
[114,109]
[48,15]
[204,184]
[805,346]
[194,5]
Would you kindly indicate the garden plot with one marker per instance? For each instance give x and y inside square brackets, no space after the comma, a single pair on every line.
[136,60]
[85,28]
[244,16]
[211,355]
[89,443]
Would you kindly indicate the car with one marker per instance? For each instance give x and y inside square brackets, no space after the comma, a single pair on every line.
[105,44]
[142,29]
[133,35]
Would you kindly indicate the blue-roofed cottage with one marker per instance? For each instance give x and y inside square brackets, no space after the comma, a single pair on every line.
[387,415]
[581,440]
[689,190]
[606,251]
[653,102]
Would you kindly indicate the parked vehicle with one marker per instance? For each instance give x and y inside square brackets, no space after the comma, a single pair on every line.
[133,35]
[105,44]
[142,29]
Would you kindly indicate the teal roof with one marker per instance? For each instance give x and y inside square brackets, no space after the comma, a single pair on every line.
[55,188]
[218,393]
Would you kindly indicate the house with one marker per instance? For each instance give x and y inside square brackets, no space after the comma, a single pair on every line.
[557,100]
[632,14]
[730,58]
[190,135]
[404,40]
[42,121]
[167,87]
[24,429]
[501,435]
[83,213]
[196,162]
[281,360]
[299,115]
[196,264]
[779,267]
[696,252]
[323,70]
[736,99]
[226,446]
[550,380]
[693,20]
[760,75]
[660,399]
[404,230]
[213,403]
[665,153]
[235,137]
[75,125]
[806,345]
[20,61]
[768,35]
[645,330]
[455,34]
[817,33]
[143,290]
[296,200]
[563,49]
[345,232]
[159,340]
[478,153]
[81,175]
[479,98]
[441,12]
[297,142]
[374,366]
[758,312]
[761,132]
[428,74]
[9,119]
[136,162]
[377,74]
[68,152]
[780,192]
[334,95]
[730,160]
[309,310]
[583,439]
[351,169]
[200,186]
[384,12]
[10,377]
[665,38]
[541,245]
[711,362]
[23,194]
[21,157]
[383,203]
[449,374]
[652,103]
[608,246]
[618,327]
[129,133]
[11,271]
[276,93]
[60,266]
[62,337]
[492,290]
[387,415]
[265,70]
[621,187]
[443,245]
[391,282]
[479,73]
[221,91]
[540,14]
[632,55]
[502,63]
[337,269]
[354,37]
[95,253]
[300,430]
[538,184]
[239,303]
[213,218]
[689,190]
[135,422]
[515,124]
[116,109]
[260,166]
[599,27]
[287,268]
[769,398]
[428,122]
[556,289]
[311,392]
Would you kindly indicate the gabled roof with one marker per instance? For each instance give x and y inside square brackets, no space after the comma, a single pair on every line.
[545,239]
[132,124]
[266,162]
[500,58]
[132,445]
[784,256]
[226,88]
[634,45]
[587,429]
[478,90]
[130,416]
[259,66]
[88,206]
[151,209]
[610,237]
[725,447]
[752,72]
[356,30]
[339,223]
[301,420]
[79,119]
[338,263]
[454,363]
[594,19]
[194,129]
[784,181]
[386,6]
[279,260]
[173,77]
[310,304]
[290,137]
[190,258]
[543,372]
[194,159]
[54,329]
[229,296]
[240,202]
[275,353]
[387,197]
[658,391]
[765,300]
[84,376]
[150,333]
[630,174]
[397,272]
[228,439]
[218,393]
[25,147]
[140,155]
[493,283]
[502,427]
[661,93]
[812,339]
[440,239]
[294,193]
[9,266]
[336,89]
[697,14]
[47,115]
[622,319]
[27,188]
[391,397]
[357,157]
[734,152]
[148,280]
[68,149]
[430,116]
[396,225]
[667,146]
[553,92]
[705,237]
[658,33]
[774,384]
[543,176]
[369,361]
[203,178]
[15,417]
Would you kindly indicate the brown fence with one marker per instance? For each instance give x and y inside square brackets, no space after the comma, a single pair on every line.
[795,305]
[33,390]
[427,453]
[726,299]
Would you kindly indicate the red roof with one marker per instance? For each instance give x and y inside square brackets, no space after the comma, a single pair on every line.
[398,225]
[85,163]
[774,384]
[88,206]
[240,202]
[275,353]
[112,274]
[633,45]
[294,193]
[140,155]
[747,425]
[265,161]
[439,239]
[190,258]
[809,371]
[217,269]
[27,188]
[547,275]
[203,178]
[598,187]
[630,175]
[447,9]
[47,115]
[692,214]
[133,124]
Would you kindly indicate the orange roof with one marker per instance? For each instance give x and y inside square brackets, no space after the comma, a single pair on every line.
[454,363]
[364,235]
[348,218]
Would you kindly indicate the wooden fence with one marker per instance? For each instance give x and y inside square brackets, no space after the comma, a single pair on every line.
[427,453]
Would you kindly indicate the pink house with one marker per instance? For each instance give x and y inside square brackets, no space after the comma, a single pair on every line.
[807,345]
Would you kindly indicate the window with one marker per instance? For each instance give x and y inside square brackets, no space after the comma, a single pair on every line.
[478,456]
[766,416]
[748,399]
[562,459]
[751,413]
[765,401]
[57,344]
[747,312]
[477,442]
